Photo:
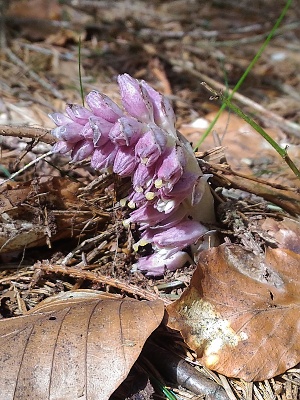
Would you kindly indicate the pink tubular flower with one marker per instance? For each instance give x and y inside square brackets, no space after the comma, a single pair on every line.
[170,197]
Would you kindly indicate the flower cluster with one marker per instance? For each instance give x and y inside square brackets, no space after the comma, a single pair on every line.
[141,142]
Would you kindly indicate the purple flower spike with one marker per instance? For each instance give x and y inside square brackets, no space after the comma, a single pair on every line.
[135,98]
[102,106]
[169,196]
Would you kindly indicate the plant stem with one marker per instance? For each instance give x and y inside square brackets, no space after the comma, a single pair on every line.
[282,152]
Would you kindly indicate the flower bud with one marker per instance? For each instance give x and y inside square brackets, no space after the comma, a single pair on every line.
[102,106]
[135,98]
[125,161]
[151,146]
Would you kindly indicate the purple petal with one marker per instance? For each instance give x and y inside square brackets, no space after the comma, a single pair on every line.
[136,199]
[62,147]
[82,150]
[69,132]
[143,177]
[87,132]
[104,156]
[156,264]
[78,113]
[181,235]
[151,145]
[126,131]
[135,98]
[146,214]
[181,190]
[169,220]
[164,115]
[171,168]
[60,119]
[125,161]
[100,128]
[102,106]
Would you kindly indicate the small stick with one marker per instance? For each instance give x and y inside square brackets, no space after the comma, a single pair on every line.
[98,278]
[41,134]
[27,166]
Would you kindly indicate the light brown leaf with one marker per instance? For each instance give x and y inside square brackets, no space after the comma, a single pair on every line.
[241,312]
[80,345]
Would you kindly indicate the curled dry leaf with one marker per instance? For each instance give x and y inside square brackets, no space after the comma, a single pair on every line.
[40,211]
[241,312]
[80,345]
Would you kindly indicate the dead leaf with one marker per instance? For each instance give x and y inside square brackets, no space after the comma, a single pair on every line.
[286,233]
[79,345]
[241,312]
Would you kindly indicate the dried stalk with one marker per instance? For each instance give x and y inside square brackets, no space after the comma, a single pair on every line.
[98,278]
[40,134]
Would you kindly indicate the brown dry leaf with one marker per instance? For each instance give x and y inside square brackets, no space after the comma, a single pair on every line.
[241,312]
[40,211]
[286,233]
[79,345]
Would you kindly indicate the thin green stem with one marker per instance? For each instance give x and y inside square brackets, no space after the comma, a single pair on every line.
[250,66]
[282,152]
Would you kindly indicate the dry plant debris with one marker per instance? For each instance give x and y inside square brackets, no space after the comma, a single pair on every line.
[61,228]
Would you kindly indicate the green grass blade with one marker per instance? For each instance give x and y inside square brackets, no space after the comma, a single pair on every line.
[282,152]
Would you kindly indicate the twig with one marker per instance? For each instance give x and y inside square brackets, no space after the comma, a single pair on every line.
[98,278]
[289,200]
[27,166]
[41,134]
